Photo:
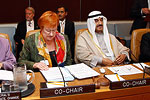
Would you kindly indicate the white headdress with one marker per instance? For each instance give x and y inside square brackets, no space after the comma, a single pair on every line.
[92,26]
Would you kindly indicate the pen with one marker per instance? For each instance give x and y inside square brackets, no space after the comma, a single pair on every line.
[117,77]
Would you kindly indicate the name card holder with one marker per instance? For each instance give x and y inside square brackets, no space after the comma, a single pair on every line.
[16,95]
[69,90]
[129,83]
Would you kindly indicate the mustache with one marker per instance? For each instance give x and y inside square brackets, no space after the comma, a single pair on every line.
[99,25]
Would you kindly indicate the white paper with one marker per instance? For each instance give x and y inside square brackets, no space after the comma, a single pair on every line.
[139,66]
[53,74]
[114,78]
[125,70]
[81,71]
[55,84]
[6,75]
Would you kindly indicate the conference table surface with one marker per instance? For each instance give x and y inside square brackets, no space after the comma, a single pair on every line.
[104,93]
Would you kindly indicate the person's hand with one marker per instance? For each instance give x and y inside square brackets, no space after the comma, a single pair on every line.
[1,64]
[40,66]
[22,41]
[146,11]
[107,62]
[120,59]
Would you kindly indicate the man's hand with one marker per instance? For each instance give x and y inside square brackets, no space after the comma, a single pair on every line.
[40,66]
[120,59]
[107,62]
[145,11]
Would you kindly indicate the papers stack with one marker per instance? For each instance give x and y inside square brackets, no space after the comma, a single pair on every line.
[6,75]
[125,70]
[81,71]
[54,74]
[139,66]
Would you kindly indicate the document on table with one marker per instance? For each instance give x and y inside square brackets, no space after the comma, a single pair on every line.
[6,75]
[55,84]
[125,70]
[81,71]
[114,77]
[54,74]
[139,66]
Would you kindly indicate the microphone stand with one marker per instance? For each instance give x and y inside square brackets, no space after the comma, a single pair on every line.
[62,75]
[60,70]
[139,63]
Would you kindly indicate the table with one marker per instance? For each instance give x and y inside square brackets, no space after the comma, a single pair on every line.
[104,93]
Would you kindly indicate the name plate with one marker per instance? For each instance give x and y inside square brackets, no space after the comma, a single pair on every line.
[10,96]
[129,83]
[69,90]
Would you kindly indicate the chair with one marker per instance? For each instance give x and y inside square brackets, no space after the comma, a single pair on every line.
[4,35]
[32,32]
[136,42]
[76,37]
[78,33]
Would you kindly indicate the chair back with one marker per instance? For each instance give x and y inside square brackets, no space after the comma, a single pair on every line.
[32,32]
[136,42]
[80,31]
[6,36]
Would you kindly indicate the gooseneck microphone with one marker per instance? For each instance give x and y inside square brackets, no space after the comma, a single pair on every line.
[139,63]
[54,56]
[62,76]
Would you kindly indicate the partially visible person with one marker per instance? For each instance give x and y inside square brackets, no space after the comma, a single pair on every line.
[139,10]
[145,48]
[66,27]
[96,47]
[46,48]
[23,27]
[7,59]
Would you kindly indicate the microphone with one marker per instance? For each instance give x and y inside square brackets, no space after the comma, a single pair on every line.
[54,55]
[139,63]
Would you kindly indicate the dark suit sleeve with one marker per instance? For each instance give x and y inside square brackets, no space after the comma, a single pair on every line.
[72,38]
[17,36]
[145,48]
[136,8]
[72,35]
[36,25]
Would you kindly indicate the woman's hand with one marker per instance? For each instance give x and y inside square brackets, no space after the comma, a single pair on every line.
[1,65]
[40,66]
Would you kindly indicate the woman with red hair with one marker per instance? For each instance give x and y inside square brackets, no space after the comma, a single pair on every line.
[46,48]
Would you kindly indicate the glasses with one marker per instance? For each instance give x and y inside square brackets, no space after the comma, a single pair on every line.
[48,31]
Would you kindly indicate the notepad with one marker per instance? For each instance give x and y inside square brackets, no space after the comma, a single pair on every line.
[114,77]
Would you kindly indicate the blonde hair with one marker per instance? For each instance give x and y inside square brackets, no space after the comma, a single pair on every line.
[48,19]
[31,9]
